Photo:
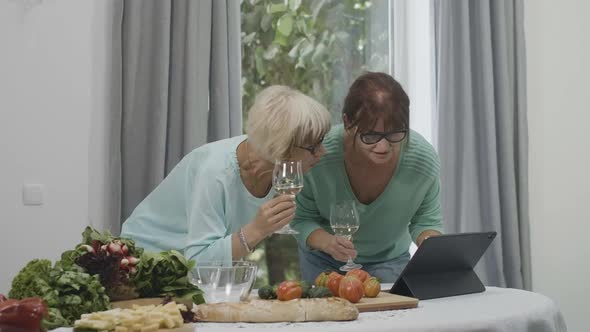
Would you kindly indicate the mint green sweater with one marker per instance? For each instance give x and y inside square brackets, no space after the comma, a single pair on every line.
[198,206]
[408,206]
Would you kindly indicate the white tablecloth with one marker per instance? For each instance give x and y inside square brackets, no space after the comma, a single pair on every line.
[495,310]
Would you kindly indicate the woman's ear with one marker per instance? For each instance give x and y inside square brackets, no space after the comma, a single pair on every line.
[345,121]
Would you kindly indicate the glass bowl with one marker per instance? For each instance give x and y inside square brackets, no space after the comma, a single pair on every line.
[224,282]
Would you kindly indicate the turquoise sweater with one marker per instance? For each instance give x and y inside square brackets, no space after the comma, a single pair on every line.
[408,205]
[197,207]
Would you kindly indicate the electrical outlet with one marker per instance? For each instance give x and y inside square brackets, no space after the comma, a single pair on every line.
[33,194]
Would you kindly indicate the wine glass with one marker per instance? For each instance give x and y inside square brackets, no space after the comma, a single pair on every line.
[287,179]
[344,220]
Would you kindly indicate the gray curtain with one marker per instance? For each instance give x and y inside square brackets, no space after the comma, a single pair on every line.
[176,86]
[482,130]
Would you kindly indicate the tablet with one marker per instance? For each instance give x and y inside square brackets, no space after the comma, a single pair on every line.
[443,266]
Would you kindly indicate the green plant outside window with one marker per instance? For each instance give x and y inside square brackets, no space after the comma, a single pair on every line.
[318,47]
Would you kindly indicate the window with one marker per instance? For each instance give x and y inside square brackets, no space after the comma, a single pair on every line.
[320,47]
[316,46]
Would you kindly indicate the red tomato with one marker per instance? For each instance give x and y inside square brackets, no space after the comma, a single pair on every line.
[359,274]
[351,289]
[289,290]
[372,287]
[334,282]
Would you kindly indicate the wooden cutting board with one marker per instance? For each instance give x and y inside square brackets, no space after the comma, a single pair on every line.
[383,301]
[128,304]
[386,301]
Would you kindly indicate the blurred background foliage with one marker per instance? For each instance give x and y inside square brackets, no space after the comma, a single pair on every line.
[318,47]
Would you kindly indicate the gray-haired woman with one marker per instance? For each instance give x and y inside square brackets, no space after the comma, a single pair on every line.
[216,204]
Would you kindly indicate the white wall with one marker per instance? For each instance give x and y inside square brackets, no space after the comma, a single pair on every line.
[49,82]
[104,169]
[54,97]
[558,55]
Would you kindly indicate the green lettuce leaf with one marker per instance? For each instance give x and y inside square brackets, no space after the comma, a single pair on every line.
[69,293]
[166,273]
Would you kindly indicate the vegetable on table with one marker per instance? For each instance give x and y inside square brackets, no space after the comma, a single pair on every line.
[319,292]
[372,287]
[166,273]
[362,275]
[289,290]
[128,272]
[102,268]
[305,289]
[267,292]
[68,292]
[113,259]
[25,314]
[322,279]
[333,283]
[351,289]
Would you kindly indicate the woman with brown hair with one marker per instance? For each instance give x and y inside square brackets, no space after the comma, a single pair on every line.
[390,172]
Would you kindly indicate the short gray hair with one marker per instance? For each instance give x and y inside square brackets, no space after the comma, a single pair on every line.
[282,119]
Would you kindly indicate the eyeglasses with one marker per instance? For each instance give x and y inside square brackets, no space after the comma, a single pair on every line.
[392,136]
[313,149]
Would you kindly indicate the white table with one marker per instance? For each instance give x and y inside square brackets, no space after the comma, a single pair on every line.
[495,310]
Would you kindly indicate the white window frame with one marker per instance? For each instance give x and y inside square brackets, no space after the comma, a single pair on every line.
[411,48]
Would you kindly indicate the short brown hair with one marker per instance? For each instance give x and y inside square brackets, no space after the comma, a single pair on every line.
[376,95]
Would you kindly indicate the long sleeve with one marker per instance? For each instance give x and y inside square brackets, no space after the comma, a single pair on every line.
[429,214]
[208,237]
[307,216]
[197,206]
[159,222]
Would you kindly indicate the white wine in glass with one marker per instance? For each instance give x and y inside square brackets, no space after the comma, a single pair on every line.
[289,189]
[344,220]
[287,179]
[345,231]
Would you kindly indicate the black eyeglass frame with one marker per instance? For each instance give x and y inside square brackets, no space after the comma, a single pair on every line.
[363,136]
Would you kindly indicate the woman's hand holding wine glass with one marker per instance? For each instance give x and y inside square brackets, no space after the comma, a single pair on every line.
[344,220]
[287,179]
[339,248]
[271,216]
